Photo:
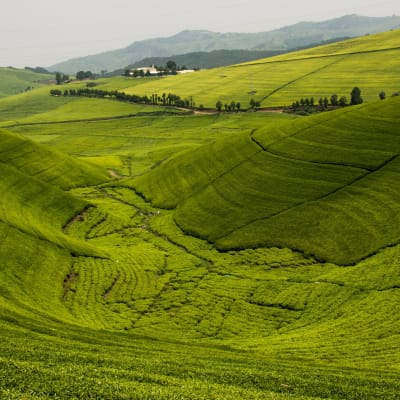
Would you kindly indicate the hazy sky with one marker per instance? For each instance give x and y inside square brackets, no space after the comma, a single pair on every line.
[44,32]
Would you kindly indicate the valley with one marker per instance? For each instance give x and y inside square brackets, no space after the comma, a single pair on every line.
[148,252]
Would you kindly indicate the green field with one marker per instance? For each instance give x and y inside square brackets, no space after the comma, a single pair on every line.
[13,81]
[370,62]
[147,253]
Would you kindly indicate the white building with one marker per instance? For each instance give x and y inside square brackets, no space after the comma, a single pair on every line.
[151,70]
[185,71]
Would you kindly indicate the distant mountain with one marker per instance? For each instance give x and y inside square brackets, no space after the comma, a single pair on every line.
[215,58]
[289,37]
[204,59]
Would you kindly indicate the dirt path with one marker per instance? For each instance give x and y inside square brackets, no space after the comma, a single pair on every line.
[114,174]
[78,217]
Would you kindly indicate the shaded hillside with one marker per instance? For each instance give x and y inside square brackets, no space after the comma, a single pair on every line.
[33,181]
[289,37]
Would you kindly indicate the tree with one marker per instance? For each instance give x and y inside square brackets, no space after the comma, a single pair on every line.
[55,92]
[326,102]
[254,104]
[171,65]
[334,100]
[238,106]
[218,106]
[343,101]
[382,95]
[59,78]
[80,75]
[356,96]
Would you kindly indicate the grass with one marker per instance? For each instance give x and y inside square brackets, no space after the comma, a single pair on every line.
[103,295]
[14,81]
[167,316]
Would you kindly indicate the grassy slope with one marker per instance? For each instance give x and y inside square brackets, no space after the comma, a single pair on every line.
[369,62]
[33,179]
[39,107]
[199,324]
[285,180]
[13,81]
[165,315]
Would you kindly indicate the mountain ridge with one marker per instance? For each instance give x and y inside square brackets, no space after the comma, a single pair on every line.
[186,41]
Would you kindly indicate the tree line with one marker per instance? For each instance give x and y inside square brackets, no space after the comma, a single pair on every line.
[165,99]
[333,101]
[229,107]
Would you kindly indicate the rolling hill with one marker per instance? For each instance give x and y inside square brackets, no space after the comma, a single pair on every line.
[154,255]
[289,37]
[13,81]
[322,186]
[370,63]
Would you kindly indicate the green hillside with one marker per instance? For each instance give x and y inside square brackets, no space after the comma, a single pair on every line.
[322,185]
[13,81]
[370,62]
[149,253]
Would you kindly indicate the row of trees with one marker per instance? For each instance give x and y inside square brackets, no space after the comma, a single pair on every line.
[235,106]
[334,101]
[232,106]
[169,99]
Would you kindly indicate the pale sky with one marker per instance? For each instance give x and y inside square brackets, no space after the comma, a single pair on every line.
[44,32]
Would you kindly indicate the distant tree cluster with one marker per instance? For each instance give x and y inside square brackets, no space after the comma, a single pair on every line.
[81,75]
[228,107]
[169,99]
[61,78]
[309,105]
[323,103]
[254,104]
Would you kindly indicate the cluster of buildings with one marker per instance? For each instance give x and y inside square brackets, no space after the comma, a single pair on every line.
[153,71]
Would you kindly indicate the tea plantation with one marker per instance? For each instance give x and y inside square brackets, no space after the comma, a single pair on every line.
[146,253]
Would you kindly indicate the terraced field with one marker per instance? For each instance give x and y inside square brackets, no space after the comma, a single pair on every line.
[145,255]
